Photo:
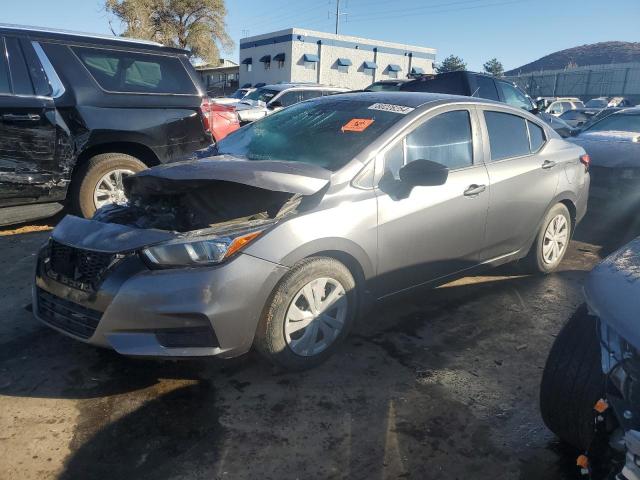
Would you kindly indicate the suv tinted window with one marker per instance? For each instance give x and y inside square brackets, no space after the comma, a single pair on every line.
[130,72]
[507,135]
[514,97]
[19,72]
[445,139]
[486,88]
[5,86]
[289,98]
[536,136]
[309,94]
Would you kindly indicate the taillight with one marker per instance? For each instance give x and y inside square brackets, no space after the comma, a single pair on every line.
[585,160]
[205,109]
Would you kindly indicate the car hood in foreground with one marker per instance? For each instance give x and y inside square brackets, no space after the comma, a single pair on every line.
[612,290]
[279,176]
[610,149]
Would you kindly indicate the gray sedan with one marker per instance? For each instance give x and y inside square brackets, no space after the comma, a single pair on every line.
[305,219]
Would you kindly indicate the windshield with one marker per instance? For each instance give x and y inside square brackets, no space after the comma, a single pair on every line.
[383,86]
[596,103]
[262,95]
[239,94]
[620,123]
[327,132]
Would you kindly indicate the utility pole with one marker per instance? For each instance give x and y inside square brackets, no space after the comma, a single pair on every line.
[338,13]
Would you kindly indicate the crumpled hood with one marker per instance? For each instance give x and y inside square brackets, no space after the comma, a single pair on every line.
[612,290]
[106,237]
[290,177]
[610,149]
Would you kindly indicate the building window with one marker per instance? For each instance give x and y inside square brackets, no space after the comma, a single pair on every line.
[343,68]
[369,71]
[310,65]
[280,63]
[249,67]
[392,74]
[267,65]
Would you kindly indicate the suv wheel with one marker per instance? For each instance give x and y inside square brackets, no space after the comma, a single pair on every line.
[572,381]
[308,315]
[552,240]
[99,181]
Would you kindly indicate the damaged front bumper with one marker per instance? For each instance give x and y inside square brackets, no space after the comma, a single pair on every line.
[111,298]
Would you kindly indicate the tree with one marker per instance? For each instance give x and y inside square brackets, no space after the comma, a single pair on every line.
[451,64]
[195,25]
[494,67]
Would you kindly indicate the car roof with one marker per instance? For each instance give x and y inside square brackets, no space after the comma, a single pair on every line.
[83,37]
[285,86]
[412,99]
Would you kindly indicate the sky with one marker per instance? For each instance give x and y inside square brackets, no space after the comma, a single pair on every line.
[514,31]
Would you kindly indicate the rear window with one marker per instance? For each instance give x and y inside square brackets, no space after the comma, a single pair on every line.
[452,84]
[130,72]
[508,135]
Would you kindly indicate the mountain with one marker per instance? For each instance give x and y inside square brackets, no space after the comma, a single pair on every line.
[593,54]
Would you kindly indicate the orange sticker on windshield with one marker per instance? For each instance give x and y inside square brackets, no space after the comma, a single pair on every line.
[357,125]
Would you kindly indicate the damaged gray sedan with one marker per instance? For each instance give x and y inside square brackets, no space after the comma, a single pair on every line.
[307,216]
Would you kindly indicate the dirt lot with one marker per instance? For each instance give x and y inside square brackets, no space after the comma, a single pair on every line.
[440,384]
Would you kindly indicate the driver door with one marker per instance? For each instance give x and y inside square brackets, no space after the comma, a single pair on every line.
[432,231]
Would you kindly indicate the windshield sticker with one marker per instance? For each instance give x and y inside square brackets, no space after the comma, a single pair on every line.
[388,107]
[357,125]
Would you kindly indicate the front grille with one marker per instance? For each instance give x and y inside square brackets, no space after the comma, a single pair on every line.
[68,316]
[82,269]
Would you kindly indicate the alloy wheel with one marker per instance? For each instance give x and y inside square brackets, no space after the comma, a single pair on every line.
[110,189]
[315,316]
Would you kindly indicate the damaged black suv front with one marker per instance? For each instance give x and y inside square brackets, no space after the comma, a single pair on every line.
[166,273]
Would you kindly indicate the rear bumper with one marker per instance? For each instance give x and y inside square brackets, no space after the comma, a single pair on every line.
[174,312]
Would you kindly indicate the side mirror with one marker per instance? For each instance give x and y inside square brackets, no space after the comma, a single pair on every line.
[423,173]
[275,104]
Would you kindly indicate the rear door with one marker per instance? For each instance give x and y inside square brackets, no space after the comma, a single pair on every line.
[434,230]
[523,181]
[29,168]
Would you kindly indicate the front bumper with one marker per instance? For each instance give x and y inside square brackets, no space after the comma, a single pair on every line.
[173,312]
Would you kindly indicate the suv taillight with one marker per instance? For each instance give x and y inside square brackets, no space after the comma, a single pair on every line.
[205,109]
[586,161]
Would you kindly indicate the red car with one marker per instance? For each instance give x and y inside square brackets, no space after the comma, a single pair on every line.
[220,120]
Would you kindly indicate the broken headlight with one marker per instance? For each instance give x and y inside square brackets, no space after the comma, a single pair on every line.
[201,251]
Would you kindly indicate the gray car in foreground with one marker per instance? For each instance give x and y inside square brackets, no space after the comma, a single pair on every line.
[304,219]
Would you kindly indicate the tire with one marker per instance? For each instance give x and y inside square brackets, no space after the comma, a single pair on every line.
[535,260]
[572,381]
[271,340]
[86,179]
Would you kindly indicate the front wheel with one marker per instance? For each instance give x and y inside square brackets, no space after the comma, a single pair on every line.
[309,314]
[552,241]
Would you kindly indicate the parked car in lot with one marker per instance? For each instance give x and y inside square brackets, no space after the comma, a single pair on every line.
[591,381]
[235,97]
[221,119]
[613,144]
[307,216]
[271,98]
[577,118]
[599,103]
[481,85]
[386,85]
[78,113]
[561,105]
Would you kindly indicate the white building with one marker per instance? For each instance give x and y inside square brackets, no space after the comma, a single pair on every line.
[298,55]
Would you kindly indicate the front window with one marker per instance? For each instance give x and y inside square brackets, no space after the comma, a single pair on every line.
[621,123]
[261,95]
[596,103]
[514,97]
[328,132]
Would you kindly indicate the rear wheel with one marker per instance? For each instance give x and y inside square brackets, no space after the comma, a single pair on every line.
[572,381]
[309,314]
[99,181]
[552,240]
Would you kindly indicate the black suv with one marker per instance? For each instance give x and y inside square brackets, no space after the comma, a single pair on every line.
[78,112]
[473,84]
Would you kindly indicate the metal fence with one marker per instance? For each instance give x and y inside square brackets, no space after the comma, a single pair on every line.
[615,80]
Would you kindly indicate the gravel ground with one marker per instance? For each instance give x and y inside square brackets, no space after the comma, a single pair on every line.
[439,384]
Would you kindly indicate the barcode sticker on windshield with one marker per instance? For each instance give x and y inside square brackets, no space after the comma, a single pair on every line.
[388,107]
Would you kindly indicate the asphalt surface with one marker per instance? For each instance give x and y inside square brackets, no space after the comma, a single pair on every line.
[441,384]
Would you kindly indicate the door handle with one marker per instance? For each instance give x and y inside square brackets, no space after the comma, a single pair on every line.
[548,164]
[473,190]
[29,117]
